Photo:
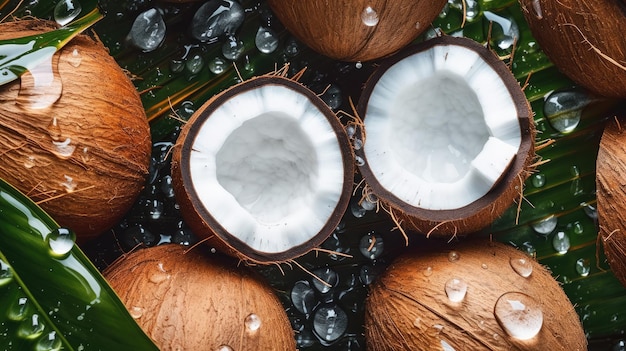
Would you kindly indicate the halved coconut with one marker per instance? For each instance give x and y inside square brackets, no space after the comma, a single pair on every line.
[449,136]
[264,170]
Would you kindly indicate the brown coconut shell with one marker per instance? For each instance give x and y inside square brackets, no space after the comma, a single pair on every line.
[186,300]
[408,307]
[482,212]
[611,193]
[202,222]
[584,40]
[99,115]
[337,29]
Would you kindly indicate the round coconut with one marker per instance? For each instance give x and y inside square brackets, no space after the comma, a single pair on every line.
[448,136]
[611,194]
[187,300]
[356,30]
[74,134]
[583,40]
[263,171]
[477,295]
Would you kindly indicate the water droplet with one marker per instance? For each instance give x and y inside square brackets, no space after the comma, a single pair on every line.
[538,180]
[40,85]
[194,64]
[428,271]
[529,249]
[546,225]
[224,348]
[356,209]
[578,227]
[563,109]
[252,323]
[19,310]
[63,149]
[303,297]
[31,328]
[453,256]
[590,210]
[6,273]
[332,97]
[154,209]
[583,267]
[519,315]
[371,246]
[266,40]
[136,312]
[484,266]
[537,9]
[369,17]
[367,275]
[177,66]
[73,57]
[217,65]
[148,30]
[216,18]
[522,266]
[49,342]
[446,347]
[65,11]
[29,162]
[54,130]
[68,183]
[561,243]
[330,322]
[359,161]
[232,48]
[328,278]
[456,289]
[504,31]
[60,242]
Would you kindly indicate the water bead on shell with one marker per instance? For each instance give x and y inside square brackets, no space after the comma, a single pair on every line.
[252,323]
[456,289]
[522,266]
[519,315]
[369,16]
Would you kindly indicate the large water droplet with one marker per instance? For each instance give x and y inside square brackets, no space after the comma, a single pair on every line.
[6,273]
[40,85]
[303,297]
[136,312]
[19,310]
[65,11]
[73,57]
[446,347]
[194,64]
[330,322]
[31,328]
[252,323]
[563,109]
[369,16]
[63,149]
[583,267]
[216,18]
[522,266]
[266,40]
[519,315]
[546,225]
[49,342]
[328,278]
[561,242]
[456,289]
[232,48]
[148,30]
[217,65]
[371,246]
[60,242]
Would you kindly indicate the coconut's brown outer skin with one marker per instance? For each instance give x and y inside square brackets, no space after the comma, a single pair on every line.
[100,110]
[573,34]
[205,226]
[611,195]
[408,309]
[187,300]
[482,212]
[335,28]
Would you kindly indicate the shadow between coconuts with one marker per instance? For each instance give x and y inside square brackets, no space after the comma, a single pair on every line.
[199,218]
[508,187]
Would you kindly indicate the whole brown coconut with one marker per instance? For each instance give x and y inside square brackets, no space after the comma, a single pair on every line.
[584,40]
[478,295]
[186,300]
[611,194]
[79,144]
[356,30]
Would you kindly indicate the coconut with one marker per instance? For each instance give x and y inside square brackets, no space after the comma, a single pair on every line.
[186,300]
[476,295]
[581,38]
[611,194]
[263,171]
[74,134]
[356,30]
[448,136]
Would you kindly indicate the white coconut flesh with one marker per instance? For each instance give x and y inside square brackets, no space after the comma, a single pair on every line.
[441,127]
[267,166]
